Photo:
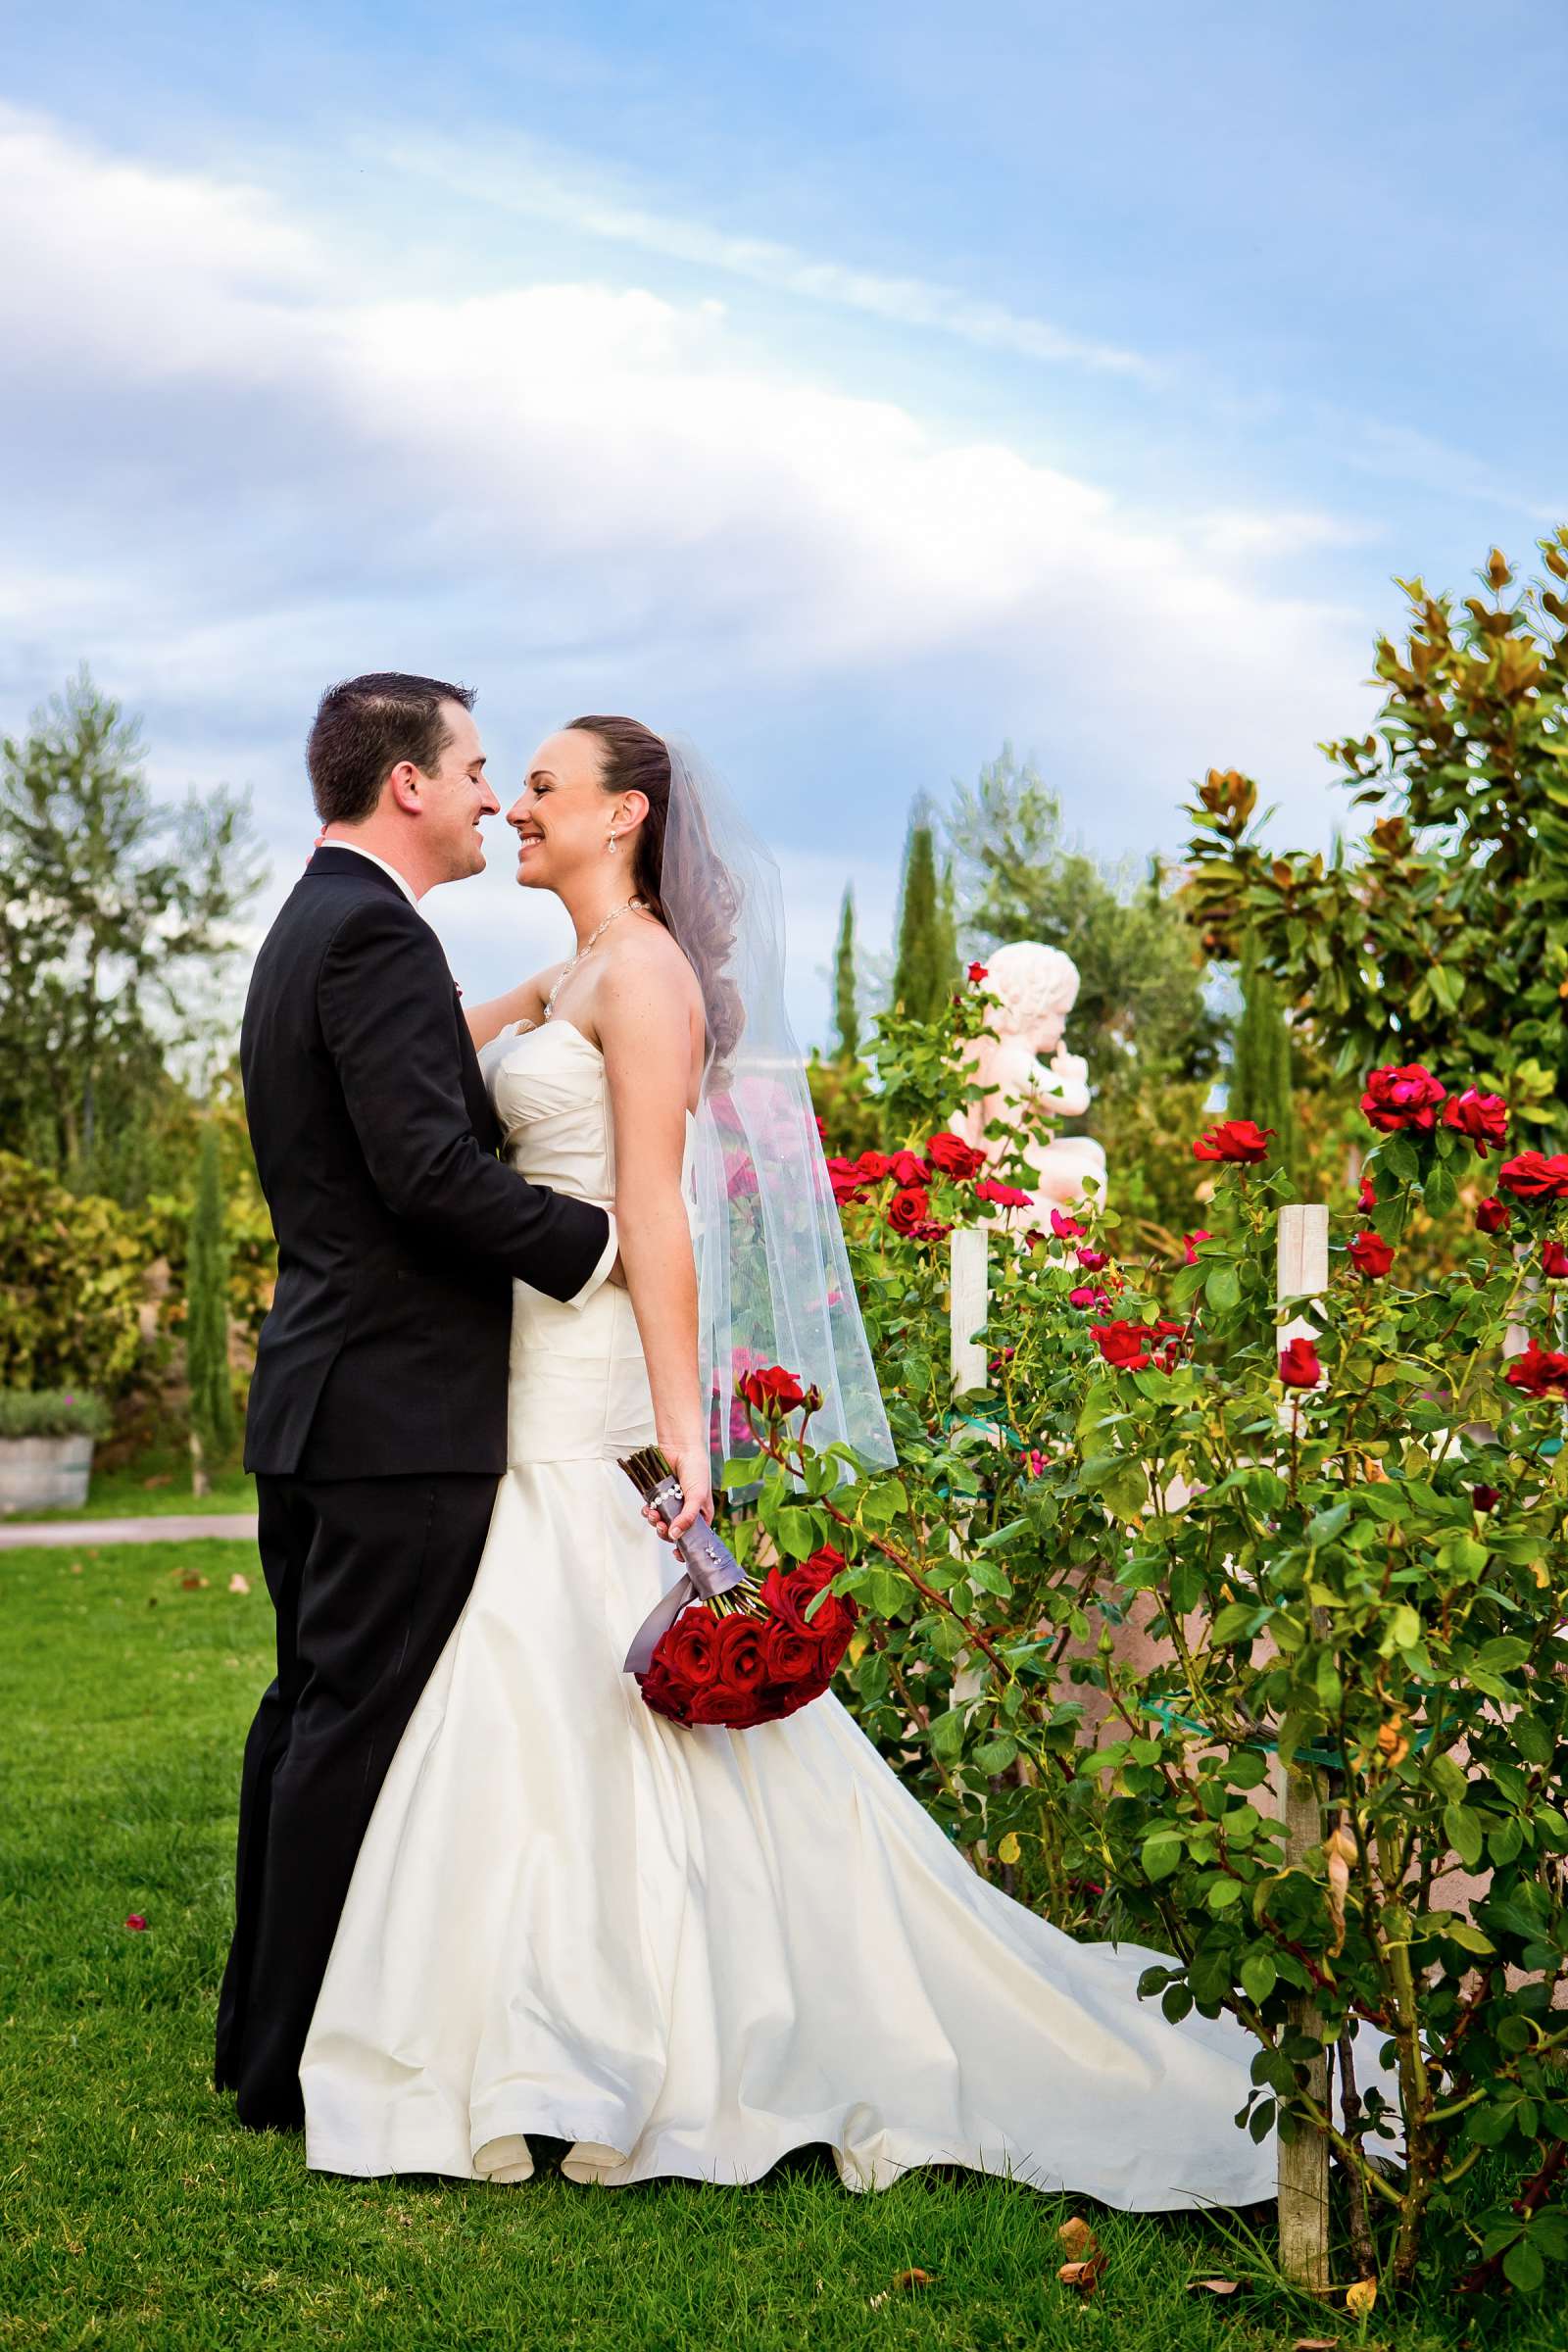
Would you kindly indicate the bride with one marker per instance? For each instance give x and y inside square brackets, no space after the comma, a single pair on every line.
[689,1950]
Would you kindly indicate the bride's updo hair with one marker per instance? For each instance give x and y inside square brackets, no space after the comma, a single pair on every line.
[633,758]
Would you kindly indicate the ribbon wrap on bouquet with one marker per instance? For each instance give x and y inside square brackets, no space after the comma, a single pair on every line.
[708,1568]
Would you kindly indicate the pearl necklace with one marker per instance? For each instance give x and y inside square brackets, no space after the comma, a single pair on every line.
[628,907]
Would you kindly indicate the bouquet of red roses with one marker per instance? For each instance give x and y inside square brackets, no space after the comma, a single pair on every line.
[754,1654]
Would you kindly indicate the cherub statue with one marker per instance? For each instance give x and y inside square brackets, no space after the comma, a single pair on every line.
[1037,987]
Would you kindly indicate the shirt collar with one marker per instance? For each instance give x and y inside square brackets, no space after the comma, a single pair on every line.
[360,851]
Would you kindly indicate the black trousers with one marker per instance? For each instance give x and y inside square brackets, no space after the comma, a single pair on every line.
[367,1578]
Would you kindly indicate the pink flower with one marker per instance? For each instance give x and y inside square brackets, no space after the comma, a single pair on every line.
[1086,1296]
[1065,1229]
[1091,1260]
[1037,1462]
[1002,1196]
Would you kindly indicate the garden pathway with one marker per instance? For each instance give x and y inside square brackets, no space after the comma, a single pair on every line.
[238,1526]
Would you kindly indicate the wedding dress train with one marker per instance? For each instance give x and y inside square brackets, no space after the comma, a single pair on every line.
[687,1952]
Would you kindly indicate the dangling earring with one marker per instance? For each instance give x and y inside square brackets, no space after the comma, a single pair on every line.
[611,845]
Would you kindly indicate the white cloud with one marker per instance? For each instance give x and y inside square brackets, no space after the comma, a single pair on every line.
[550,188]
[251,463]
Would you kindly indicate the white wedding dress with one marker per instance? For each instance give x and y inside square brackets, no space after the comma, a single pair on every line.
[687,1952]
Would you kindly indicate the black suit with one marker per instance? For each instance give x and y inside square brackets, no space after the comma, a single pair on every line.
[377,1412]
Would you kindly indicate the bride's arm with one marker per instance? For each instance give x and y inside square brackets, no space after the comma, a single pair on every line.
[525,1003]
[644,1010]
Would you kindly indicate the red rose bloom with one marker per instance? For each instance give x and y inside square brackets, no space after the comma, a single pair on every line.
[1002,1196]
[977,972]
[689,1649]
[1493,1215]
[873,1166]
[908,1168]
[1553,1260]
[1190,1241]
[908,1209]
[1536,1176]
[727,1704]
[1091,1260]
[1539,1371]
[950,1155]
[1298,1366]
[742,1652]
[1485,1499]
[1403,1096]
[1065,1229]
[771,1390]
[1087,1295]
[1122,1345]
[1239,1140]
[1368,1198]
[791,1656]
[1484,1118]
[1370,1254]
[666,1692]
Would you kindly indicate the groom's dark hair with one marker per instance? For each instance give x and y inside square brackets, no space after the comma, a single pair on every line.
[363,728]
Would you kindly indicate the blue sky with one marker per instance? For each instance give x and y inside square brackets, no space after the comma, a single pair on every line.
[850,387]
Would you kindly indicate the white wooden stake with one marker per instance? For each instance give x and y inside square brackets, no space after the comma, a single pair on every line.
[969,1288]
[1302,2170]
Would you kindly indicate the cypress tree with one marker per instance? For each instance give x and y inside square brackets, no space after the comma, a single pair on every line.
[923,976]
[1261,1085]
[846,1011]
[212,1399]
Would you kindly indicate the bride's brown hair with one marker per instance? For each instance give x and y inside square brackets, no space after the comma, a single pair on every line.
[633,758]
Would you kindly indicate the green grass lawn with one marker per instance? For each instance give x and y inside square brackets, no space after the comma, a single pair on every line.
[137,2213]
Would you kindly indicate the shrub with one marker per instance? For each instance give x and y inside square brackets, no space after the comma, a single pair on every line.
[71,1273]
[51,1413]
[1351,1557]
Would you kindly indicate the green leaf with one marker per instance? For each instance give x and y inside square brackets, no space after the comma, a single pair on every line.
[988,1577]
[795,1531]
[945,1732]
[1439,1192]
[1523,2267]
[1258,1976]
[1223,1893]
[1222,1288]
[1468,1938]
[1462,1829]
[994,1756]
[1125,1494]
[1162,1850]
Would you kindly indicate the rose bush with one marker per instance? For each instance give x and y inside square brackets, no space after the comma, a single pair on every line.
[1349,1556]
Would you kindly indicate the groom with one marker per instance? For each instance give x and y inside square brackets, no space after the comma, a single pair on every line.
[376,1427]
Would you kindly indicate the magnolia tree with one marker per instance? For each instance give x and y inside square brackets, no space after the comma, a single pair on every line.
[1348,1559]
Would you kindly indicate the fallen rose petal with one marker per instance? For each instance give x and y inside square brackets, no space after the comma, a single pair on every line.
[135,1923]
[1359,2298]
[1084,2276]
[238,1582]
[1077,2239]
[1211,2286]
[909,2279]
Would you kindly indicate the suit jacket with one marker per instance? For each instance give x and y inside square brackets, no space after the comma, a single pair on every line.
[398,1232]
